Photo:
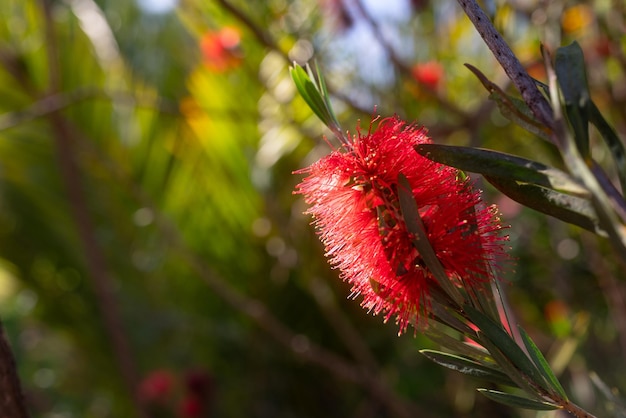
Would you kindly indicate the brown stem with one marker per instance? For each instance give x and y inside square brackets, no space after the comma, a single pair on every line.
[64,139]
[576,410]
[12,402]
[509,62]
[344,329]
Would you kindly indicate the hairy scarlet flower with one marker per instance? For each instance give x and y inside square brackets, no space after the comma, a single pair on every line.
[353,195]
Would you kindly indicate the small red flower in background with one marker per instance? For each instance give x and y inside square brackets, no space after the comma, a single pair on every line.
[157,386]
[353,195]
[199,383]
[220,49]
[191,407]
[428,73]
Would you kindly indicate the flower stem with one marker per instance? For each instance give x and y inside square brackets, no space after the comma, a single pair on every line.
[11,394]
[576,410]
[509,62]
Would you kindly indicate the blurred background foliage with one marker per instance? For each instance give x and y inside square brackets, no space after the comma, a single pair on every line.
[154,261]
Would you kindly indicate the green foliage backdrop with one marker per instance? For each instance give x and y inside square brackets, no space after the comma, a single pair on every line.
[147,221]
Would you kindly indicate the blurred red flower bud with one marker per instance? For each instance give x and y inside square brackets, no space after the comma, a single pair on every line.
[156,386]
[428,73]
[603,47]
[220,50]
[198,383]
[191,407]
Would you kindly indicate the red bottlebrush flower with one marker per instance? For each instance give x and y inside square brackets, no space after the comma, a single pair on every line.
[353,195]
[429,73]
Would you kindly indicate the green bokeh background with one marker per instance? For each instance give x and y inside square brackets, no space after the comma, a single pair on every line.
[184,174]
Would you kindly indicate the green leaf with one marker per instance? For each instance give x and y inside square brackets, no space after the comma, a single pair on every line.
[517,401]
[570,71]
[496,334]
[542,364]
[415,225]
[310,93]
[571,209]
[511,108]
[540,187]
[315,93]
[508,367]
[468,367]
[450,319]
[502,165]
[615,145]
[469,350]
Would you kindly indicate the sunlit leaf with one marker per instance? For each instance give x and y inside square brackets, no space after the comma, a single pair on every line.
[468,367]
[313,90]
[310,93]
[502,165]
[542,364]
[468,349]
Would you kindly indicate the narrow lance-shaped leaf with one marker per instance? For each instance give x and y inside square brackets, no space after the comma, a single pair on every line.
[415,225]
[470,350]
[499,164]
[607,217]
[570,209]
[309,92]
[468,367]
[441,314]
[517,401]
[508,367]
[570,71]
[505,343]
[511,108]
[542,364]
[615,145]
[315,93]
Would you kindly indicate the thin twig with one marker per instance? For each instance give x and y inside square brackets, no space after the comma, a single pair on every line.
[12,402]
[344,329]
[55,102]
[298,344]
[265,39]
[64,139]
[400,65]
[509,62]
